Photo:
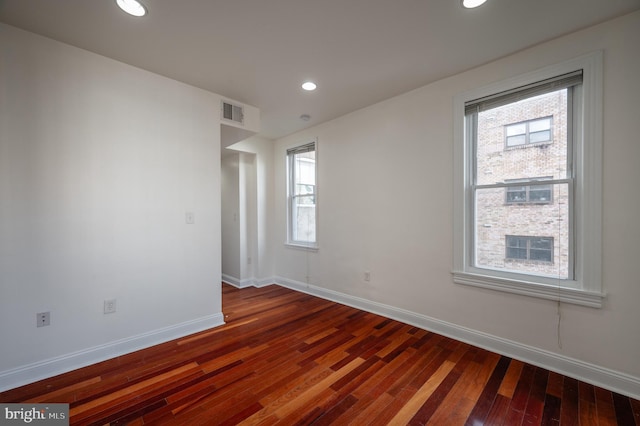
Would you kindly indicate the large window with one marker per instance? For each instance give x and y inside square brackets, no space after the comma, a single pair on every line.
[528,172]
[302,195]
[497,171]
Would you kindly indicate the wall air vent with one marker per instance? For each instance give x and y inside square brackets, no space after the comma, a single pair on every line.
[232,112]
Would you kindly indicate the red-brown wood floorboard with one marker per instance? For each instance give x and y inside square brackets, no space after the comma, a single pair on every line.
[285,357]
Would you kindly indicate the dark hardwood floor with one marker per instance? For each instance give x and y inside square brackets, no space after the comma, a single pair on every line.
[288,358]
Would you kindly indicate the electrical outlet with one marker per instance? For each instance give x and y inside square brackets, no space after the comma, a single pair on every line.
[43,319]
[109,306]
[367,276]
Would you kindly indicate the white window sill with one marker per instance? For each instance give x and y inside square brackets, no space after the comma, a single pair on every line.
[301,246]
[543,291]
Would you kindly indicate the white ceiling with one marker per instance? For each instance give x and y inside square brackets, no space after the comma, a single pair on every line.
[259,51]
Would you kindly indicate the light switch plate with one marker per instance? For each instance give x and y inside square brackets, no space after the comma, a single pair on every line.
[190,218]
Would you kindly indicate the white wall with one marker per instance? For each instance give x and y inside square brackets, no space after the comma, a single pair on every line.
[248,218]
[230,217]
[99,162]
[385,206]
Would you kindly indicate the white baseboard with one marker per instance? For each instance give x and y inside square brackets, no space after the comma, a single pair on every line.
[247,282]
[236,282]
[606,378]
[228,279]
[62,364]
[263,282]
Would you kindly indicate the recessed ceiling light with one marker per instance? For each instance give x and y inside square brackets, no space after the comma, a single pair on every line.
[309,85]
[132,7]
[470,4]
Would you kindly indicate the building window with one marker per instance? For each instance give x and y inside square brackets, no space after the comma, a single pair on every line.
[529,194]
[302,195]
[529,132]
[538,249]
[550,190]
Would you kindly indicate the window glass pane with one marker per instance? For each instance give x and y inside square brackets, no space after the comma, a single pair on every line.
[517,194]
[538,125]
[526,238]
[497,129]
[541,243]
[302,189]
[305,172]
[517,242]
[516,129]
[541,249]
[540,194]
[305,200]
[516,253]
[304,223]
[516,140]
[542,136]
[516,248]
[541,255]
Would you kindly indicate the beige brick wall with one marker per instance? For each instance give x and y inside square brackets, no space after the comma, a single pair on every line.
[495,219]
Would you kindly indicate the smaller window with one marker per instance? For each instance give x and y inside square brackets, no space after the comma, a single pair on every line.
[302,195]
[528,132]
[539,249]
[529,194]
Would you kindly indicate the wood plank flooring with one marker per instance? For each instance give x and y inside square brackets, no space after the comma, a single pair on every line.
[289,358]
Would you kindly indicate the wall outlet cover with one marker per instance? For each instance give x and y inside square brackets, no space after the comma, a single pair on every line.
[43,319]
[109,306]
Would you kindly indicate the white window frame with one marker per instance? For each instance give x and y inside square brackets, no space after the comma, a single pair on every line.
[585,286]
[290,241]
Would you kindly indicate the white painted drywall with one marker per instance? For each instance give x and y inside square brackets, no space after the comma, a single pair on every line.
[99,162]
[385,206]
[230,217]
[247,172]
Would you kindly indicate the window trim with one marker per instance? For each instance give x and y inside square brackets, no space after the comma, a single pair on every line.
[290,242]
[585,287]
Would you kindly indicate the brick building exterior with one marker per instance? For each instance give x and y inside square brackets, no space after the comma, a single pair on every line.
[524,227]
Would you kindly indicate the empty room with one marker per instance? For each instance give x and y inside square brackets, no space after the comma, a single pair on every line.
[357,212]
